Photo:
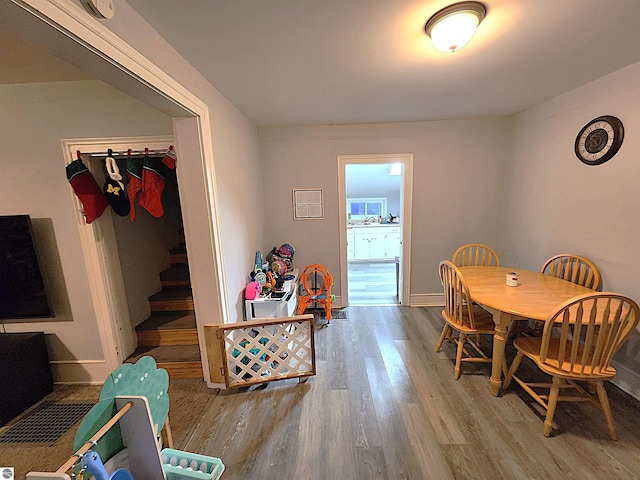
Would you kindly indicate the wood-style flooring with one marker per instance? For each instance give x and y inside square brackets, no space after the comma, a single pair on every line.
[372,283]
[384,405]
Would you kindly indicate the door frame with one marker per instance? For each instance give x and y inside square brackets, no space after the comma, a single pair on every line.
[66,26]
[99,248]
[405,215]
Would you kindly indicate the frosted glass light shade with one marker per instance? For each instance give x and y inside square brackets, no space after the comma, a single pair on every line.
[454,26]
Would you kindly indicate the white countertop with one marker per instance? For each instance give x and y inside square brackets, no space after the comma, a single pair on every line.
[361,225]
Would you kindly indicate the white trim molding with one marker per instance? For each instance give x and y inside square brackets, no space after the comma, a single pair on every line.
[99,249]
[427,300]
[406,217]
[72,372]
[626,379]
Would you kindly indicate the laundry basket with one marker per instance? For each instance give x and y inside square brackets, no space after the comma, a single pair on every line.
[179,465]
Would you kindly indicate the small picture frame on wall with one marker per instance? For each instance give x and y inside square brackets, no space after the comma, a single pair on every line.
[308,204]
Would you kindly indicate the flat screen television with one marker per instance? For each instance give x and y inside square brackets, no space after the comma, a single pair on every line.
[22,289]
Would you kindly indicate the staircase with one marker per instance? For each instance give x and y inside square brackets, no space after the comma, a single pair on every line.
[170,335]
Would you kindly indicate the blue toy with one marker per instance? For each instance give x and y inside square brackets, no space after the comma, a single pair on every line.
[92,463]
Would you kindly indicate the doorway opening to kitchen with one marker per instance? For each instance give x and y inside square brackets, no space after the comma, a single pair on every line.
[374,225]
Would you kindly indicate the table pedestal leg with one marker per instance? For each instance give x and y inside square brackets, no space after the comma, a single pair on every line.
[502,321]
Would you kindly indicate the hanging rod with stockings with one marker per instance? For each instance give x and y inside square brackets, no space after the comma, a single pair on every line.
[130,153]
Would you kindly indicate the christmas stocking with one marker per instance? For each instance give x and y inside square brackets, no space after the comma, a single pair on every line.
[134,184]
[85,187]
[153,183]
[170,158]
[115,190]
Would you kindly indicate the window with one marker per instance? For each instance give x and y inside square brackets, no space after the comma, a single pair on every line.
[362,208]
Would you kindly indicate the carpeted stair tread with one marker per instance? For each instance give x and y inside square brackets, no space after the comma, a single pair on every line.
[170,320]
[172,298]
[178,274]
[180,361]
[180,292]
[182,248]
[178,255]
[170,327]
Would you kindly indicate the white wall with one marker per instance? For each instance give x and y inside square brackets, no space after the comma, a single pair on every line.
[33,120]
[556,204]
[457,192]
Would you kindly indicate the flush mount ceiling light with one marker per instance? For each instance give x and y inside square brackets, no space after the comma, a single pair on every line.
[452,27]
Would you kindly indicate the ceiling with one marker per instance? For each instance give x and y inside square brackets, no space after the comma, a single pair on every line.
[293,62]
[365,180]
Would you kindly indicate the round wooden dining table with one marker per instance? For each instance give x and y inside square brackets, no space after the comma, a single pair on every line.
[535,297]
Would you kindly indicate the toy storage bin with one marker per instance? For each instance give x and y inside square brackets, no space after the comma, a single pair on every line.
[176,462]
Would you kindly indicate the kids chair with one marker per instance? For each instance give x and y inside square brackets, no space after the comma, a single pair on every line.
[317,283]
[144,379]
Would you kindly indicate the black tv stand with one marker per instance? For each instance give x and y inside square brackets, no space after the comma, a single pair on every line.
[25,374]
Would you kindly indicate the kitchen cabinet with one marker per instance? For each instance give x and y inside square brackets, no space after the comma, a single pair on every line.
[373,242]
[369,246]
[393,242]
[351,255]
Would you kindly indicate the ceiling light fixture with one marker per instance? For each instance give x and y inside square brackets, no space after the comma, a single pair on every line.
[452,27]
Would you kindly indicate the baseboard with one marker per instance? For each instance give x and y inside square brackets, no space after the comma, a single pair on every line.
[427,300]
[69,372]
[627,380]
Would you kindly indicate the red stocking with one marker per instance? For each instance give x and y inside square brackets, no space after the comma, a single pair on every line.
[134,183]
[153,183]
[85,187]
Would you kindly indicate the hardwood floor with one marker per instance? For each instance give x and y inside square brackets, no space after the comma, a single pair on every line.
[372,283]
[384,405]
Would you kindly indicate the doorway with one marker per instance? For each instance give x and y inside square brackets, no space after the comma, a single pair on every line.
[86,44]
[375,218]
[130,253]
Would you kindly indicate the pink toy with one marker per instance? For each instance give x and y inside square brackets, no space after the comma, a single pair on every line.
[252,291]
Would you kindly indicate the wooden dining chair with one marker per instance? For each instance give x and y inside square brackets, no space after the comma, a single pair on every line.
[572,268]
[463,317]
[577,344]
[475,255]
[575,269]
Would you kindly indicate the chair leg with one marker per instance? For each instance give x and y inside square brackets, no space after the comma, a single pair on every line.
[512,370]
[327,311]
[446,331]
[551,408]
[461,340]
[302,305]
[167,436]
[606,409]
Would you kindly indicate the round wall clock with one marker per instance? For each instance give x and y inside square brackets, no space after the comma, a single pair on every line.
[599,140]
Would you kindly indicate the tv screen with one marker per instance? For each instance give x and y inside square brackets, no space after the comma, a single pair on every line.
[22,290]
